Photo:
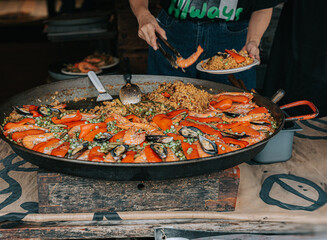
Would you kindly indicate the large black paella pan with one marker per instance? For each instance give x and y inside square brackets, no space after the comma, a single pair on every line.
[68,90]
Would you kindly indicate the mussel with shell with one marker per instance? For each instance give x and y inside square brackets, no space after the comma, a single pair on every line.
[159,138]
[208,146]
[102,137]
[160,150]
[190,132]
[261,123]
[22,111]
[45,111]
[223,55]
[119,151]
[77,151]
[231,114]
[227,133]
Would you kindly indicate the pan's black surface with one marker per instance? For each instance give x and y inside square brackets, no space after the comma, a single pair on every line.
[69,89]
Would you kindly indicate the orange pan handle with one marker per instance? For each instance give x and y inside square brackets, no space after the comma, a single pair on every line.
[302,117]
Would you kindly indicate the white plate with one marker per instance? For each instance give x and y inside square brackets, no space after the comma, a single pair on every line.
[227,71]
[116,61]
[77,74]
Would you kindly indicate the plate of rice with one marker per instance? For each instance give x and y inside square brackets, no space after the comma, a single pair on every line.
[225,63]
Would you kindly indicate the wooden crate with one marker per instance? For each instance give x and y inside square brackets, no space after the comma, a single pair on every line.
[60,193]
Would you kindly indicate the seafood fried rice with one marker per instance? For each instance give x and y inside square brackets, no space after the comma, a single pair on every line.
[176,122]
[181,95]
[224,61]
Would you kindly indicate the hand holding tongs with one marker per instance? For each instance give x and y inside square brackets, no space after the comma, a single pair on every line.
[169,57]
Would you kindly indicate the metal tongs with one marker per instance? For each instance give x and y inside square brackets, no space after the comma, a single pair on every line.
[169,57]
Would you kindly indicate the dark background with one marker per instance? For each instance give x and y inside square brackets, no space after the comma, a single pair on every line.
[27,53]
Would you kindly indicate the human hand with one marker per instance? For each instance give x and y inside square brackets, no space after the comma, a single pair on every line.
[253,50]
[148,26]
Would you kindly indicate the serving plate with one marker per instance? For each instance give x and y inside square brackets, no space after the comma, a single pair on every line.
[227,71]
[77,74]
[115,62]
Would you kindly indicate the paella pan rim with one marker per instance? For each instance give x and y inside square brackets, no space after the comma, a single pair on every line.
[233,158]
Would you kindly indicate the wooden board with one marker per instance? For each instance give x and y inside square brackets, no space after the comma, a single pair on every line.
[60,193]
[146,229]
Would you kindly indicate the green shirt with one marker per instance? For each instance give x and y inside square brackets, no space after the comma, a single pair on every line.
[228,10]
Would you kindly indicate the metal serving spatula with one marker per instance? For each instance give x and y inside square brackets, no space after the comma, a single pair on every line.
[130,93]
[103,95]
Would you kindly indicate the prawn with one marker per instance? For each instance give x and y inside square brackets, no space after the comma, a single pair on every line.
[86,116]
[121,120]
[85,155]
[141,158]
[109,158]
[235,108]
[23,128]
[49,149]
[153,124]
[31,140]
[253,140]
[92,60]
[184,63]
[211,108]
[171,157]
[202,115]
[71,115]
[220,143]
[72,132]
[178,127]
[155,130]
[133,136]
[245,94]
[85,67]
[178,118]
[124,126]
[150,130]
[261,128]
[241,108]
[133,118]
[246,129]
[200,150]
[248,118]
[60,106]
